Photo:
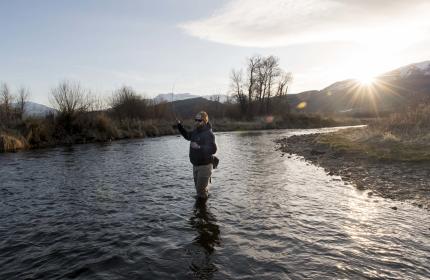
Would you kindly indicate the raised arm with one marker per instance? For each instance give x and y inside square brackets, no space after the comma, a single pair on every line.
[184,132]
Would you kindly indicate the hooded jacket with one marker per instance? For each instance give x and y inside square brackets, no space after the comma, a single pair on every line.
[205,138]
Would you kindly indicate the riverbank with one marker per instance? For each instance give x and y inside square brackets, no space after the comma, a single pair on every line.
[41,133]
[391,169]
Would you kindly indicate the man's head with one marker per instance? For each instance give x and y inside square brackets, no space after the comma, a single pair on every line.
[201,119]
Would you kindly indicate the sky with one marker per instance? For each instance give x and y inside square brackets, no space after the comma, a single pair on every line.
[192,45]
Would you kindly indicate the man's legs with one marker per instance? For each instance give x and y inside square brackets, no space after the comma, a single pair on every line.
[202,175]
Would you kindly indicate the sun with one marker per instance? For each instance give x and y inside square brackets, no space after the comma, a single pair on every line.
[366,80]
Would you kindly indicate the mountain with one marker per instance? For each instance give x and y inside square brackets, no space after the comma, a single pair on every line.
[33,109]
[189,107]
[422,68]
[407,86]
[169,97]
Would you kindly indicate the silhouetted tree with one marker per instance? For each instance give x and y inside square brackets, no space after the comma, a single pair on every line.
[127,104]
[267,71]
[253,63]
[236,88]
[71,101]
[69,98]
[6,100]
[264,80]
[23,95]
[283,82]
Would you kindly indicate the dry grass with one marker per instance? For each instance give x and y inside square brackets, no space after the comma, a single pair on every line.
[412,126]
[102,126]
[402,136]
[10,142]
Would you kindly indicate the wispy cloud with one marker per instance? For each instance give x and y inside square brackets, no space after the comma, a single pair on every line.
[271,23]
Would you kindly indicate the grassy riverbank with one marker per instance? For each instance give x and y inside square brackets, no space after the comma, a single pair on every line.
[390,157]
[400,137]
[99,127]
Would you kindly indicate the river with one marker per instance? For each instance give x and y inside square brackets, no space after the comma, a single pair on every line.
[126,210]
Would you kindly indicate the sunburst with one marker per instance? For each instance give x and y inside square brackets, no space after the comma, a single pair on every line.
[366,80]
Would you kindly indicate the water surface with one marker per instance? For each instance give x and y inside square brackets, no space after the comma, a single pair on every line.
[126,210]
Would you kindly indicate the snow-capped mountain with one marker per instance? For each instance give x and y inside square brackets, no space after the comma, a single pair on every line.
[37,110]
[404,87]
[422,68]
[169,97]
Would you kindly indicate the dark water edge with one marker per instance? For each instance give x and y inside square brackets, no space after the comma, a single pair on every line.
[126,210]
[14,140]
[399,180]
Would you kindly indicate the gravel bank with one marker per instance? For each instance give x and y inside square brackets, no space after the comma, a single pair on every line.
[390,179]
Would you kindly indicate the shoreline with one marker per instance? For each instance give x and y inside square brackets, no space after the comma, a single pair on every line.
[397,180]
[14,141]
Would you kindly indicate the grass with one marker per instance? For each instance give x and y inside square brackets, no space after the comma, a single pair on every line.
[12,142]
[102,127]
[401,137]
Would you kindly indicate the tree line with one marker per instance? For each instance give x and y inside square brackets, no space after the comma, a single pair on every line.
[259,89]
[80,113]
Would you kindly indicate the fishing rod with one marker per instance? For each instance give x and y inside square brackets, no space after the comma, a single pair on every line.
[173,104]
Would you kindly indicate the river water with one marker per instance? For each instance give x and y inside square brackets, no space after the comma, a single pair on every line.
[126,210]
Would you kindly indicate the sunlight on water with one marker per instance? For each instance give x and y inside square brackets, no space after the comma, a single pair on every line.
[131,214]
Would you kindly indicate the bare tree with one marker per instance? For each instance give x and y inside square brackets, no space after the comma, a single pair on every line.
[6,100]
[264,79]
[283,82]
[237,90]
[281,92]
[267,71]
[253,63]
[23,95]
[69,98]
[97,103]
[215,97]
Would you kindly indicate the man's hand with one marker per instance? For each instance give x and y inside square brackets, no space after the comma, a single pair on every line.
[175,126]
[194,145]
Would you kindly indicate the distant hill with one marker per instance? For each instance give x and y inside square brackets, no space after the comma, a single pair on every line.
[397,89]
[169,97]
[393,91]
[33,109]
[189,107]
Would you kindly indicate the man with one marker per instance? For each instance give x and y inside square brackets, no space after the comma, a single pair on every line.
[202,148]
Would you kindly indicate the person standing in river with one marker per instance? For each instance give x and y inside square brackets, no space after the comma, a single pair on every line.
[202,150]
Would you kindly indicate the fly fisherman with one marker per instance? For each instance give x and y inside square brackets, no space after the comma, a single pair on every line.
[202,148]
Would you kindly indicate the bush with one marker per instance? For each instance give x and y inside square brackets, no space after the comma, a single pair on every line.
[127,104]
[38,132]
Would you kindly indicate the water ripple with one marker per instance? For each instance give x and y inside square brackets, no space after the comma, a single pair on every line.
[126,210]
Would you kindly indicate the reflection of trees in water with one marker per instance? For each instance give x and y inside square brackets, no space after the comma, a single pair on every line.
[208,236]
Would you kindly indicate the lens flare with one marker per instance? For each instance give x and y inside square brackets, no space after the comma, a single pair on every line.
[301,105]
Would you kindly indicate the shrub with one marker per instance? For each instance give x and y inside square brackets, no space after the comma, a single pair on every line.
[127,104]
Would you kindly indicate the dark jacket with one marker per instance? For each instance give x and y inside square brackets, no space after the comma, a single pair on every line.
[205,138]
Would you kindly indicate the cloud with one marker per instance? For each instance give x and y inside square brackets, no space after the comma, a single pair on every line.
[271,23]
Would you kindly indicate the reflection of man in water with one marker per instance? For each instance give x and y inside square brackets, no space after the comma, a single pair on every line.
[204,222]
[202,148]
